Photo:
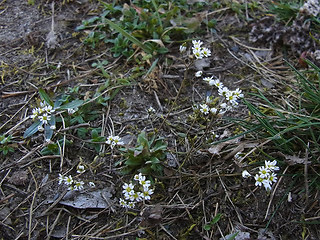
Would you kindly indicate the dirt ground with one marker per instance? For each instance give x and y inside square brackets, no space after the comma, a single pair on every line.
[189,194]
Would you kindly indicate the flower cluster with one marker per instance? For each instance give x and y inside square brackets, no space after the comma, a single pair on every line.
[198,51]
[43,113]
[131,196]
[311,7]
[113,141]
[73,184]
[266,175]
[231,98]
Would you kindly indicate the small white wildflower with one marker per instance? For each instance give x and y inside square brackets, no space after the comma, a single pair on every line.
[273,177]
[71,188]
[61,178]
[238,93]
[45,118]
[259,180]
[223,91]
[246,174]
[267,184]
[264,172]
[146,193]
[182,49]
[197,43]
[206,52]
[78,185]
[68,180]
[35,113]
[71,111]
[131,205]
[48,109]
[53,127]
[204,109]
[145,183]
[213,110]
[117,140]
[198,54]
[122,202]
[271,165]
[92,184]
[208,79]
[151,110]
[40,128]
[128,188]
[80,169]
[198,74]
[136,197]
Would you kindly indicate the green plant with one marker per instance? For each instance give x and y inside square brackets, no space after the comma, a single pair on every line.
[6,145]
[44,116]
[209,225]
[146,156]
[148,25]
[285,11]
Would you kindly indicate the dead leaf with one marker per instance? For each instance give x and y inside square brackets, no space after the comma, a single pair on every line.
[152,216]
[95,199]
[293,160]
[19,178]
[215,150]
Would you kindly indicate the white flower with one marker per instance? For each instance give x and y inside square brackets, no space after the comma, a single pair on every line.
[145,183]
[122,202]
[182,49]
[206,52]
[197,43]
[271,165]
[40,128]
[45,118]
[131,204]
[204,109]
[213,110]
[136,197]
[35,113]
[128,188]
[80,169]
[197,53]
[246,174]
[53,127]
[48,109]
[198,74]
[273,177]
[223,91]
[68,180]
[264,172]
[71,111]
[238,93]
[259,180]
[146,193]
[61,178]
[208,79]
[91,184]
[267,184]
[151,110]
[78,185]
[109,140]
[218,84]
[117,140]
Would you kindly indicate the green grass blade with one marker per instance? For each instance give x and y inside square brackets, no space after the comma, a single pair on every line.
[129,36]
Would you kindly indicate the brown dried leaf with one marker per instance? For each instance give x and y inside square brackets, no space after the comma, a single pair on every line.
[19,178]
[293,160]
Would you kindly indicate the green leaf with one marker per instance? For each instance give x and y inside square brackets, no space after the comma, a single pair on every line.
[48,132]
[133,162]
[129,36]
[233,236]
[72,105]
[216,219]
[207,227]
[32,129]
[45,97]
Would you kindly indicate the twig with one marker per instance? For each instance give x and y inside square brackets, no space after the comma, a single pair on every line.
[273,192]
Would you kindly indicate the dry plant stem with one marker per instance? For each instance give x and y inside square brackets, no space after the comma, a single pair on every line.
[178,94]
[273,192]
[167,232]
[54,224]
[32,204]
[17,125]
[227,194]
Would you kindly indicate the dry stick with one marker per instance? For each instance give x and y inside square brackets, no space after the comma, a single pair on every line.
[167,232]
[6,198]
[54,203]
[31,152]
[15,115]
[227,194]
[32,203]
[54,224]
[273,192]
[68,225]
